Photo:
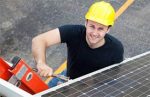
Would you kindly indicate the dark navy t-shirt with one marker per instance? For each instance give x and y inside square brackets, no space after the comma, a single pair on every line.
[81,58]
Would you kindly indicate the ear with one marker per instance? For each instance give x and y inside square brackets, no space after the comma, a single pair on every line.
[86,23]
[108,30]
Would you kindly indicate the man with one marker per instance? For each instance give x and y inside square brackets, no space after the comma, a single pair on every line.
[90,47]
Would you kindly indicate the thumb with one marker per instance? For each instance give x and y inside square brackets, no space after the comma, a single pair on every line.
[50,72]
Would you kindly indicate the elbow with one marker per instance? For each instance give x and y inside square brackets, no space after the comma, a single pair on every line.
[34,40]
[38,41]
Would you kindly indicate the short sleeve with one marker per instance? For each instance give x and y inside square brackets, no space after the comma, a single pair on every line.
[70,32]
[118,54]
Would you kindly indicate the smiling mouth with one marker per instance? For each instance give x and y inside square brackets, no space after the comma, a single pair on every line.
[95,37]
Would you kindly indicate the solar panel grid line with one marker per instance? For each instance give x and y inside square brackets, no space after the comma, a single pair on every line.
[135,77]
[135,61]
[139,81]
[142,91]
[79,90]
[135,57]
[132,68]
[73,90]
[135,93]
[143,95]
[140,64]
[100,71]
[138,73]
[91,92]
[82,92]
[145,88]
[97,87]
[121,91]
[127,96]
[75,94]
[143,66]
[104,88]
[148,93]
[57,95]
[125,75]
[63,90]
[134,89]
[79,84]
[54,94]
[137,69]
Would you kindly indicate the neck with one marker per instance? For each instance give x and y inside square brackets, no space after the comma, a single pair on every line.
[96,45]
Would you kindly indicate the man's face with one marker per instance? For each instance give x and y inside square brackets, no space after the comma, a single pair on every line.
[95,32]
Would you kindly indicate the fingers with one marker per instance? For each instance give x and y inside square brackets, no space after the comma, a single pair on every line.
[44,70]
[50,72]
[43,73]
[46,73]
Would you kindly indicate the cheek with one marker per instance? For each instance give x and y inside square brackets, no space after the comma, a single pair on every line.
[88,31]
[102,34]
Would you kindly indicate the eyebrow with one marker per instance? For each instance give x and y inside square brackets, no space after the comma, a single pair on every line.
[100,27]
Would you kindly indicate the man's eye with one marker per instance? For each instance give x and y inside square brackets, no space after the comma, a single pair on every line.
[92,27]
[100,29]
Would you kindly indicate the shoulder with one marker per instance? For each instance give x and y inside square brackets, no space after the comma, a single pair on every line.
[71,32]
[114,42]
[71,27]
[116,48]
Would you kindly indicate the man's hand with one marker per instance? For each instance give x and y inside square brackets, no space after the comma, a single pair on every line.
[44,70]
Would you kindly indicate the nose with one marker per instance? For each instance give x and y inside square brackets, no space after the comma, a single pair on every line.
[95,33]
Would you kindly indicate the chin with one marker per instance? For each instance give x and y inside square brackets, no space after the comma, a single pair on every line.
[93,42]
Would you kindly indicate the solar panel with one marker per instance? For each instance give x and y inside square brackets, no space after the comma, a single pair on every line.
[128,79]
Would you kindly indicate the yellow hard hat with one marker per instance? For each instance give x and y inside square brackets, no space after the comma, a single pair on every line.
[101,12]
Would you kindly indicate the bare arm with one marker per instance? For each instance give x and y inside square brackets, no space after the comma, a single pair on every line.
[39,45]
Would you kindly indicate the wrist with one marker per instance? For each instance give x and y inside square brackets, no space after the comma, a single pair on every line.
[40,62]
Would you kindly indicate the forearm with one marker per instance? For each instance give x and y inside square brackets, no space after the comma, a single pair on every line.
[39,50]
[39,45]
